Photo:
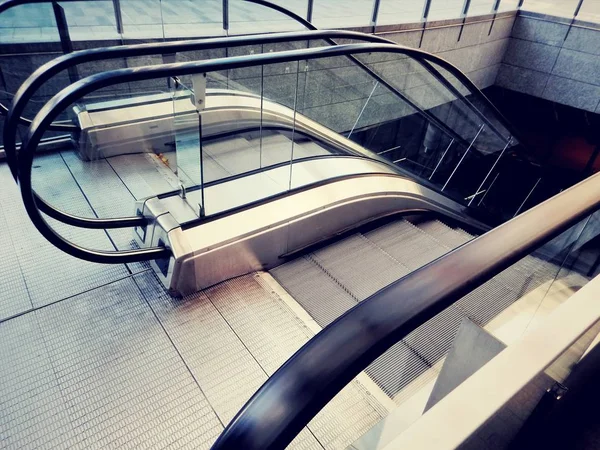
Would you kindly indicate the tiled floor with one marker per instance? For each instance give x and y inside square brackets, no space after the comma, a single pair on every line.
[98,356]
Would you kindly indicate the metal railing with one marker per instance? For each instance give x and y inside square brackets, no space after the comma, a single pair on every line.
[70,61]
[317,11]
[75,91]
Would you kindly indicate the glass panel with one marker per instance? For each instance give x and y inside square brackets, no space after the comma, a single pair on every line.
[122,154]
[475,166]
[90,20]
[299,7]
[563,8]
[590,11]
[445,9]
[342,14]
[486,113]
[188,145]
[506,307]
[480,7]
[508,5]
[186,18]
[508,186]
[142,19]
[28,23]
[250,18]
[580,263]
[392,12]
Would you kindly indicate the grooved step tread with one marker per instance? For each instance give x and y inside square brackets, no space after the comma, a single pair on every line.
[330,280]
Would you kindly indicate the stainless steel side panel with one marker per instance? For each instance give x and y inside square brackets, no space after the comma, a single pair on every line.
[149,127]
[257,238]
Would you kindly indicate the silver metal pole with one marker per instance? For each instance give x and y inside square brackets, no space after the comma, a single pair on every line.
[463,156]
[363,109]
[309,11]
[118,16]
[491,170]
[374,14]
[294,123]
[225,6]
[488,189]
[441,159]
[528,195]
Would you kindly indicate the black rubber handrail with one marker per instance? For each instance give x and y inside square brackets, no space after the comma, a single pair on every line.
[55,66]
[294,394]
[48,70]
[77,90]
[465,80]
[43,73]
[53,127]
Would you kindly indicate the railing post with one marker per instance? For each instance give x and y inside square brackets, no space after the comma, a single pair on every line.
[363,109]
[491,170]
[309,11]
[528,195]
[65,38]
[441,159]
[573,19]
[226,16]
[374,15]
[494,12]
[426,7]
[488,189]
[118,16]
[463,157]
[463,15]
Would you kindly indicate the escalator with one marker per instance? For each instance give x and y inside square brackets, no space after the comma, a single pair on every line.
[341,179]
[448,154]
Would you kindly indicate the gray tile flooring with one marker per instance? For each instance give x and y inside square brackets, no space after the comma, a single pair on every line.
[96,356]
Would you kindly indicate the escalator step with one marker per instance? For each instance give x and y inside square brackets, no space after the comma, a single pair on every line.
[443,233]
[359,265]
[407,243]
[323,298]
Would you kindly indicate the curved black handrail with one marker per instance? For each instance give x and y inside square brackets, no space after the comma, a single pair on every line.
[53,67]
[43,73]
[68,95]
[465,80]
[54,127]
[294,394]
[48,70]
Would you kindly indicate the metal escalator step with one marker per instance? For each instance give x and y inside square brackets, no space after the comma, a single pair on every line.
[407,243]
[433,339]
[267,327]
[487,301]
[323,298]
[359,265]
[468,236]
[443,233]
[396,368]
[272,334]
